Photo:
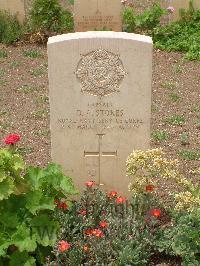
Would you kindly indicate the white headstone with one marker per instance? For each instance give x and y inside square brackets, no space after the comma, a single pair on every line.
[100,103]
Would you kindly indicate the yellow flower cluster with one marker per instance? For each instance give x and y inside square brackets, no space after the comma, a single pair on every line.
[187,201]
[145,167]
[195,171]
[184,182]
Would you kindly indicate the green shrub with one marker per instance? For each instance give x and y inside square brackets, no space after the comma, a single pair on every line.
[183,35]
[27,227]
[102,229]
[49,16]
[181,238]
[150,18]
[189,155]
[10,29]
[146,21]
[129,19]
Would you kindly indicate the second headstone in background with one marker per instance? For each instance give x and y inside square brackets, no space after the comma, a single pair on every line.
[92,15]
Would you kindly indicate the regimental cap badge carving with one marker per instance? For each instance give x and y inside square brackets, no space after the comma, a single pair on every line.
[100,72]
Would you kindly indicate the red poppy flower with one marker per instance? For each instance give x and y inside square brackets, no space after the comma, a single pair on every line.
[86,248]
[83,212]
[120,200]
[90,183]
[112,194]
[12,139]
[103,224]
[97,233]
[155,212]
[63,246]
[149,188]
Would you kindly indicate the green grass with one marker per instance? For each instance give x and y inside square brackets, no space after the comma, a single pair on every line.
[5,125]
[42,99]
[42,133]
[4,112]
[45,64]
[174,97]
[37,72]
[176,120]
[25,150]
[15,64]
[32,53]
[196,109]
[2,72]
[3,82]
[177,69]
[154,108]
[40,114]
[168,85]
[189,155]
[184,138]
[160,135]
[27,89]
[198,124]
[3,54]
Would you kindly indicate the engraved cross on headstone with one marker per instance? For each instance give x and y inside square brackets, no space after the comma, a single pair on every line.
[98,7]
[100,154]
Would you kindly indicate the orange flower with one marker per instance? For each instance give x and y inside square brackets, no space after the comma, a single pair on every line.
[120,200]
[103,224]
[83,212]
[97,233]
[88,232]
[90,183]
[61,205]
[150,188]
[63,246]
[112,194]
[64,206]
[85,248]
[155,212]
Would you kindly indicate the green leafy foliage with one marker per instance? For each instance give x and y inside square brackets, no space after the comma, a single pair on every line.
[49,16]
[182,238]
[183,35]
[129,19]
[146,21]
[150,18]
[26,208]
[22,258]
[10,29]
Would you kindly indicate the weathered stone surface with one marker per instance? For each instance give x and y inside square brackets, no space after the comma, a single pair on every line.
[97,15]
[100,103]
